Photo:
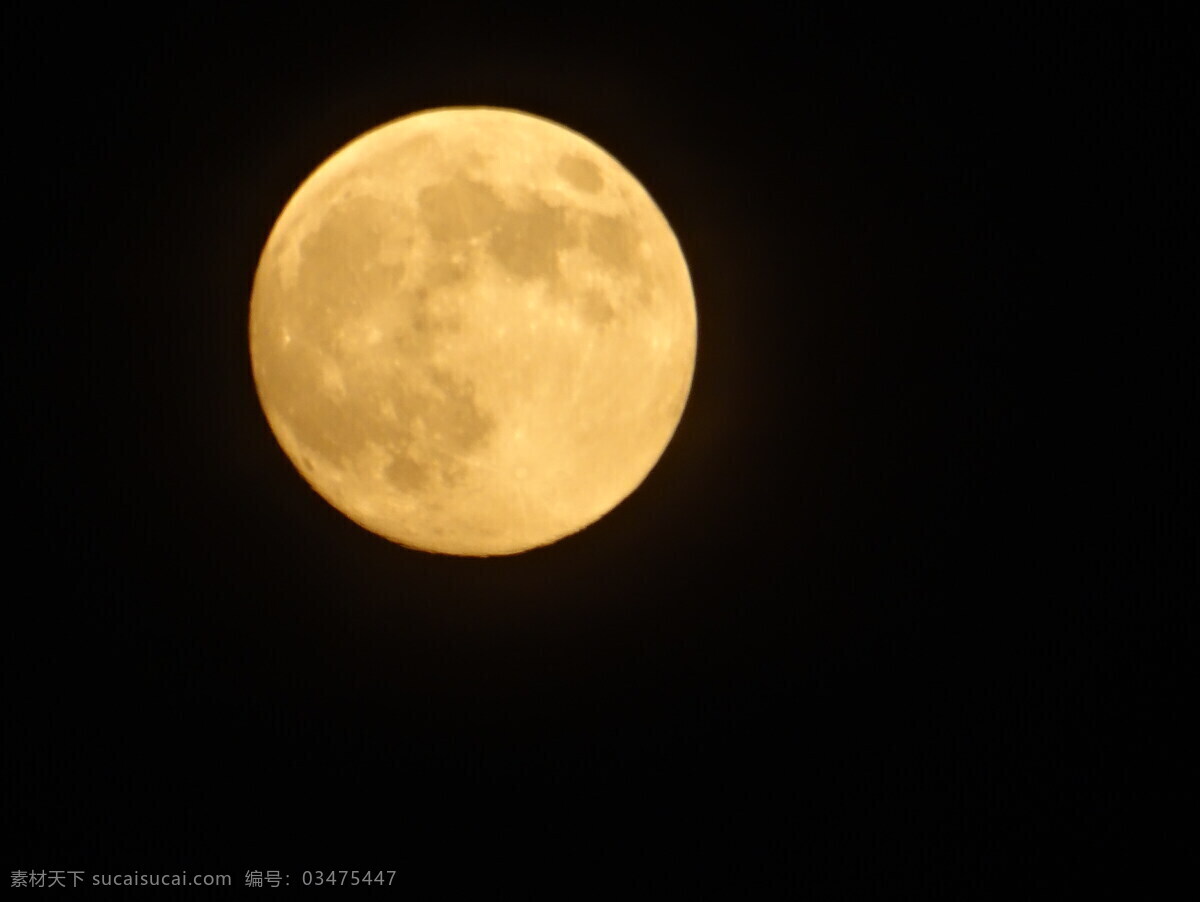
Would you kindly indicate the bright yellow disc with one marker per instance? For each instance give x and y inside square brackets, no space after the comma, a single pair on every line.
[472,331]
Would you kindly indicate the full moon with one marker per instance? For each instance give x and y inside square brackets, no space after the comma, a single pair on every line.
[472,331]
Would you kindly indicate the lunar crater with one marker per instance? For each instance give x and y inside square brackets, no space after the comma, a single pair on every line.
[581,173]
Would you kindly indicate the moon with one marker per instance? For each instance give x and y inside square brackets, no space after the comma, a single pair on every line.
[472,331]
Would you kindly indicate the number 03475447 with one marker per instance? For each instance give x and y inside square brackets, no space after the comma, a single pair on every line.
[348,878]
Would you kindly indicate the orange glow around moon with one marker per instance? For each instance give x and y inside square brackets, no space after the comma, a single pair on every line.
[472,331]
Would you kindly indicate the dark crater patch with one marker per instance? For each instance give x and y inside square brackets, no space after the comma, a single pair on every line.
[442,273]
[454,425]
[596,308]
[460,209]
[454,418]
[614,240]
[428,318]
[527,241]
[406,474]
[583,174]
[340,269]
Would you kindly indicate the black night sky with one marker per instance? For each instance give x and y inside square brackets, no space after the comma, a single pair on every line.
[875,616]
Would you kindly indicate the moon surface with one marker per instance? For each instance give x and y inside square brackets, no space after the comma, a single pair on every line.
[472,331]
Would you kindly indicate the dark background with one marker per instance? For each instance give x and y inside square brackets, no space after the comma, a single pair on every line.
[879,612]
